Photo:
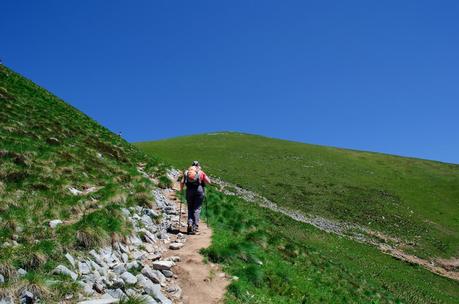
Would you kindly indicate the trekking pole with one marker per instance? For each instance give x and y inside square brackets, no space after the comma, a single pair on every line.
[180,216]
[207,208]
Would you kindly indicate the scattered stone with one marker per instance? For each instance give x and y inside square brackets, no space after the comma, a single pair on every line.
[131,292]
[6,300]
[175,246]
[124,257]
[126,212]
[87,288]
[137,255]
[147,221]
[84,268]
[153,290]
[99,287]
[119,269]
[27,297]
[163,265]
[70,258]
[149,247]
[100,301]
[116,293]
[2,279]
[153,256]
[61,269]
[117,283]
[132,265]
[174,258]
[97,258]
[149,300]
[75,191]
[167,273]
[154,275]
[151,213]
[129,278]
[54,223]
[175,291]
[21,272]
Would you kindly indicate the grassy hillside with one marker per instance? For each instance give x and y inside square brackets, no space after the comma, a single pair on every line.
[279,260]
[412,199]
[47,150]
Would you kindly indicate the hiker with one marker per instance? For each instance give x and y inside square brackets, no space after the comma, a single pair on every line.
[195,180]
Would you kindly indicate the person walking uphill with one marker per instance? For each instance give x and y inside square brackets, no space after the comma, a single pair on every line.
[195,181]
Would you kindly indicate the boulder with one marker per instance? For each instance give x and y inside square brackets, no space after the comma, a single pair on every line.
[84,268]
[176,246]
[119,269]
[163,265]
[61,269]
[167,273]
[132,265]
[154,275]
[153,290]
[54,223]
[116,293]
[26,297]
[129,278]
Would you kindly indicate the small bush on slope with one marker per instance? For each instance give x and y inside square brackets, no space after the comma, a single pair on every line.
[47,147]
[278,260]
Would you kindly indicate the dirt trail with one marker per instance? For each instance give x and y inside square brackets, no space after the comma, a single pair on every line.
[201,283]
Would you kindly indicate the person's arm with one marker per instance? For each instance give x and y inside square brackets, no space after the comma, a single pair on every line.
[206,179]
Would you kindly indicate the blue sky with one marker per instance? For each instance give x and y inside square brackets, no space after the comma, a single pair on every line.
[370,75]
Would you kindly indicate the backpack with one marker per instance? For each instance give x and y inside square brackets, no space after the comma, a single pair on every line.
[193,176]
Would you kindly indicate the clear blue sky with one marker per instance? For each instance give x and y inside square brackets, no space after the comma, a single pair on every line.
[371,75]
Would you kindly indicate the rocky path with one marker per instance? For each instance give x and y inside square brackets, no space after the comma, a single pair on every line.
[201,282]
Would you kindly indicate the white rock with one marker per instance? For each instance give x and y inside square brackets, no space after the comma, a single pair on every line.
[163,265]
[61,269]
[175,246]
[129,278]
[154,275]
[21,272]
[54,223]
[70,258]
[132,265]
[84,268]
[174,258]
[116,293]
[75,191]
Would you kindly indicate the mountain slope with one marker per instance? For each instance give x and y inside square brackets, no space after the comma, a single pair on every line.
[279,259]
[63,181]
[414,200]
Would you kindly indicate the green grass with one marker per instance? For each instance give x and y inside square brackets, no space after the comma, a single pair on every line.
[412,199]
[278,260]
[47,146]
